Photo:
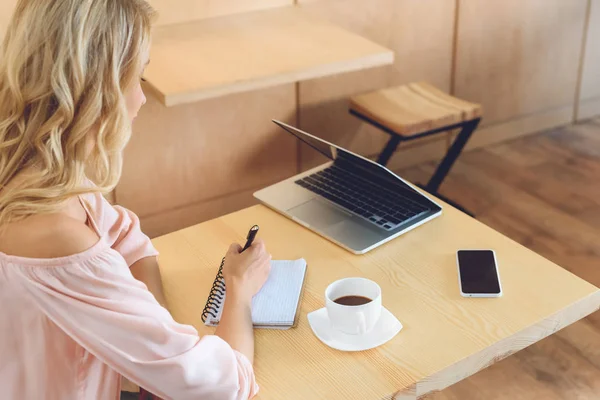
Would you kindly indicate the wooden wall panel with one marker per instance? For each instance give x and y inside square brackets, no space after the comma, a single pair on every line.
[193,153]
[420,151]
[588,109]
[160,224]
[589,99]
[517,57]
[178,11]
[514,128]
[423,51]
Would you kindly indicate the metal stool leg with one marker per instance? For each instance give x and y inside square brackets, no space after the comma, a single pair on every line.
[389,149]
[447,200]
[448,161]
[467,128]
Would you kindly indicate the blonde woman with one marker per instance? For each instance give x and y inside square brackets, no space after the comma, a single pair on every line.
[80,289]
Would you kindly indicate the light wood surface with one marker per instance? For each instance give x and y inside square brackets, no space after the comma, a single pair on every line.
[518,58]
[525,189]
[589,94]
[423,52]
[180,11]
[445,338]
[219,56]
[182,156]
[414,108]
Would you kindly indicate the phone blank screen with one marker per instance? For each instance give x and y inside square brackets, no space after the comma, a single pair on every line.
[478,272]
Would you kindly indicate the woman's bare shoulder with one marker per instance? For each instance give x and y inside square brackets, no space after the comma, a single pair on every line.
[47,236]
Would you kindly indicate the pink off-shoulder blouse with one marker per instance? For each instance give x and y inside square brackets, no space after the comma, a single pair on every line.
[71,326]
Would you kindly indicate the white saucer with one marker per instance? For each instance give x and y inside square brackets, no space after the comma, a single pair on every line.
[385,329]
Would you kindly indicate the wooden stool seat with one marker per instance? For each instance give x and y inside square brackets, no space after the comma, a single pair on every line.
[414,111]
[415,108]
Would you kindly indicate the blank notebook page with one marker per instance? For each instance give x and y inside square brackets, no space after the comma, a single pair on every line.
[277,302]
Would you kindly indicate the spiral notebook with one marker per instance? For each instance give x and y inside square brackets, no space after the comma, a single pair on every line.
[277,304]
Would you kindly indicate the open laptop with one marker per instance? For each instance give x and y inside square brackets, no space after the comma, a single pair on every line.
[350,200]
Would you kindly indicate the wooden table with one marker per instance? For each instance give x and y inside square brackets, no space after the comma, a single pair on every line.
[219,56]
[446,337]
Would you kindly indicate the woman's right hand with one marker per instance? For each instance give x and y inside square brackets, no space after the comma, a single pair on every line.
[246,273]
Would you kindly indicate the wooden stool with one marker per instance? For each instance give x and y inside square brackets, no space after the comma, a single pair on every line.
[416,110]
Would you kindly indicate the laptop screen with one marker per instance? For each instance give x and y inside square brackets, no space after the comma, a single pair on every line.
[375,172]
[322,147]
[341,155]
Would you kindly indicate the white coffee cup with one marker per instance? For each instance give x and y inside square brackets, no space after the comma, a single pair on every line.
[353,320]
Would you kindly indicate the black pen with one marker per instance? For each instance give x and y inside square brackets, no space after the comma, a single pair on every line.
[251,235]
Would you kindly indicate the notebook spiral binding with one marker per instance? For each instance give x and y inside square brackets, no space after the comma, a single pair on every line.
[216,296]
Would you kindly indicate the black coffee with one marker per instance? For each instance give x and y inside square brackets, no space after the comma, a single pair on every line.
[352,300]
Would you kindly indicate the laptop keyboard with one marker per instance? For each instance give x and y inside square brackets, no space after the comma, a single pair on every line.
[376,204]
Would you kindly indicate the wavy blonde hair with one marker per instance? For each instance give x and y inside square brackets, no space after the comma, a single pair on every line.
[64,66]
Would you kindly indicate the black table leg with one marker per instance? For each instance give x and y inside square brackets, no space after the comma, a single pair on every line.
[466,130]
[389,150]
[447,200]
[448,161]
[451,156]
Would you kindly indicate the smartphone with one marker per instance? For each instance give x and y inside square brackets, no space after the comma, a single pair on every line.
[478,274]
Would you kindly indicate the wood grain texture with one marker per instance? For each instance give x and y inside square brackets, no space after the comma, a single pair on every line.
[219,56]
[419,285]
[183,155]
[524,125]
[414,108]
[181,11]
[518,58]
[419,151]
[589,94]
[423,52]
[526,189]
[183,217]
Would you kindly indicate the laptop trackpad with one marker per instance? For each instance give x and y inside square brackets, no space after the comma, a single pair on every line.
[319,214]
[352,232]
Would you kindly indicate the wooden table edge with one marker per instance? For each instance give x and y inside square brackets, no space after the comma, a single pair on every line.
[472,364]
[171,99]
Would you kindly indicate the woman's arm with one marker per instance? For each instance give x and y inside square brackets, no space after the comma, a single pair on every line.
[99,304]
[124,233]
[147,271]
[245,274]
[235,326]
